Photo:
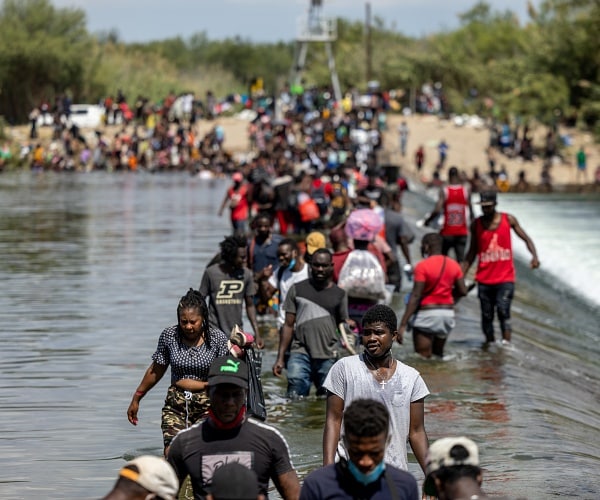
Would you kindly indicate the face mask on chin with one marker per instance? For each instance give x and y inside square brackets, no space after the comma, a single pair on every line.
[292,264]
[363,478]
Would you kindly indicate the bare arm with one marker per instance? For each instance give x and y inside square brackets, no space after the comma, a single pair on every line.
[251,313]
[437,210]
[535,263]
[287,485]
[404,247]
[152,376]
[472,253]
[459,290]
[265,289]
[471,213]
[411,307]
[417,437]
[333,426]
[284,342]
[224,203]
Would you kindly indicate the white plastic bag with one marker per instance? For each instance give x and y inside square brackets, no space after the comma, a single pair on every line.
[362,277]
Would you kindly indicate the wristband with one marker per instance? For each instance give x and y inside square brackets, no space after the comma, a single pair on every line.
[140,393]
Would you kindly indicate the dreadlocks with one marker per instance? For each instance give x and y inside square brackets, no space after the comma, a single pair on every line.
[229,248]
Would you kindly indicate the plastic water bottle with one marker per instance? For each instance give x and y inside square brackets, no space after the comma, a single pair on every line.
[408,271]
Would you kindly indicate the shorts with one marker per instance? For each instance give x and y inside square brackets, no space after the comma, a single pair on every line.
[182,409]
[436,322]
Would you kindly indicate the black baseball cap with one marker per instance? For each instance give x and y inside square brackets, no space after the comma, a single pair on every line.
[228,370]
[488,198]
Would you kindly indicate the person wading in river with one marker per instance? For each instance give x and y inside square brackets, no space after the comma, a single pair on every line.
[377,374]
[491,244]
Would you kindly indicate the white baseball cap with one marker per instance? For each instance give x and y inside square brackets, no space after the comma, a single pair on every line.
[448,452]
[154,474]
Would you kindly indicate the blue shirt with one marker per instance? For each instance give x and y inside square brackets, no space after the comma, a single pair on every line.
[333,482]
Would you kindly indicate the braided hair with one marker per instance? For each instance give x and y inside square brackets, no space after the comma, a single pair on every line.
[193,299]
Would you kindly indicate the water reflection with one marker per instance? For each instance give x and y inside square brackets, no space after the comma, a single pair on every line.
[92,267]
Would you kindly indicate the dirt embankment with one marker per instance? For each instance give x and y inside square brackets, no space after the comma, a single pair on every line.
[467,149]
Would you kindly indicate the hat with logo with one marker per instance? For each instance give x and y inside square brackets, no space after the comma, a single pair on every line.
[228,370]
[234,481]
[153,474]
[488,198]
[448,452]
[314,241]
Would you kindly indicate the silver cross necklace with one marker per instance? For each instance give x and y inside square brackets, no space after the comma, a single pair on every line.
[378,374]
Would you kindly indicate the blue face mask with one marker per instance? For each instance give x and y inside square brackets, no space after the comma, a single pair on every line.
[363,478]
[292,264]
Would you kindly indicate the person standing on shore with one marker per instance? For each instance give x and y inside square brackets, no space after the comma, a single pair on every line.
[443,152]
[491,244]
[420,158]
[454,201]
[403,132]
[582,165]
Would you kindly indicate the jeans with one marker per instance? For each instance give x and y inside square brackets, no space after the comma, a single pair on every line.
[495,297]
[302,370]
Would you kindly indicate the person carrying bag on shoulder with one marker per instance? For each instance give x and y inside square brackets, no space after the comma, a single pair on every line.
[438,280]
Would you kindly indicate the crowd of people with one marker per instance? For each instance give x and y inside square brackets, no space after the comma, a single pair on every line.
[335,333]
[318,242]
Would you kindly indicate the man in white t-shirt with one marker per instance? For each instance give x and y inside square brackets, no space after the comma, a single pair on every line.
[376,374]
[292,269]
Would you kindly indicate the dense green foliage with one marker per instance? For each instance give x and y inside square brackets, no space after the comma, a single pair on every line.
[547,69]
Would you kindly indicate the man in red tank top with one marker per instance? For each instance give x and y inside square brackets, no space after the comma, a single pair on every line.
[454,201]
[491,244]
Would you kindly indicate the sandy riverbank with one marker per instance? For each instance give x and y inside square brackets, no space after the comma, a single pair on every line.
[467,148]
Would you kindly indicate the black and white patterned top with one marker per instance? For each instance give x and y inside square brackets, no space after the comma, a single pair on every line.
[186,361]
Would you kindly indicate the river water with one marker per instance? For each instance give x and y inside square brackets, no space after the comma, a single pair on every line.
[91,271]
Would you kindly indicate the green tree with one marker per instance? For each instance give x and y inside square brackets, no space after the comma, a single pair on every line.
[42,54]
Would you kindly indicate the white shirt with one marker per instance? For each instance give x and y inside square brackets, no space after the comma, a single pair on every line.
[350,379]
[288,278]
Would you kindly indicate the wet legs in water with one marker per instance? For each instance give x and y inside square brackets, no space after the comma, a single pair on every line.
[496,298]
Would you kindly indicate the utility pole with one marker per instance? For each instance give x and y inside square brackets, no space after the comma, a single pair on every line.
[368,51]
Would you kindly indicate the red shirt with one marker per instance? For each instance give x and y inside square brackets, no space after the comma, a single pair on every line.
[438,285]
[495,258]
[455,211]
[239,198]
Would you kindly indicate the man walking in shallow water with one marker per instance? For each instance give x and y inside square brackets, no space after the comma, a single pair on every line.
[491,244]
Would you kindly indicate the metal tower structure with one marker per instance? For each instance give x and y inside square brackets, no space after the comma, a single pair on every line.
[316,28]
